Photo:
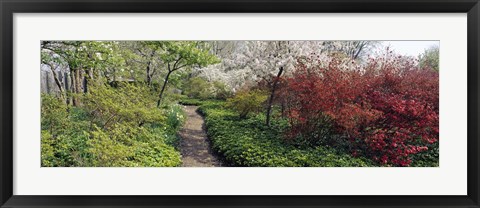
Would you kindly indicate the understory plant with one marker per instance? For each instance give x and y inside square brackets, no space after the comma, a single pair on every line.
[115,127]
[249,142]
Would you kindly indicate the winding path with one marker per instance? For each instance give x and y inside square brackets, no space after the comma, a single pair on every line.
[194,144]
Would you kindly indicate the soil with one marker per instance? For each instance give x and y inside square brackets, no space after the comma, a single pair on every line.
[194,143]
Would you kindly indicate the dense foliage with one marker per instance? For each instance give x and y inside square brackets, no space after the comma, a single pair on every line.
[199,88]
[247,101]
[386,114]
[115,127]
[248,142]
[430,59]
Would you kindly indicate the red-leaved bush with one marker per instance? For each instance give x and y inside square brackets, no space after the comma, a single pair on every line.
[386,110]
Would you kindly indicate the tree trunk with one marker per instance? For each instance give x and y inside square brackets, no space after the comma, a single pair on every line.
[85,81]
[76,77]
[91,74]
[272,95]
[65,77]
[149,76]
[79,80]
[73,87]
[149,69]
[358,51]
[163,89]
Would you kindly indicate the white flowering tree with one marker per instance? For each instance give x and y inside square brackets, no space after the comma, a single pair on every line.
[244,62]
[247,62]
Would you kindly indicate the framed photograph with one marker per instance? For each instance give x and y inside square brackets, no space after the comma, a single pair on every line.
[208,103]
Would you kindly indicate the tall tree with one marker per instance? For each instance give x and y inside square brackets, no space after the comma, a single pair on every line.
[352,49]
[67,52]
[83,58]
[272,95]
[143,59]
[250,61]
[177,55]
[429,59]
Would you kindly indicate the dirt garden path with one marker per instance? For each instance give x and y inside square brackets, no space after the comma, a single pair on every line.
[194,145]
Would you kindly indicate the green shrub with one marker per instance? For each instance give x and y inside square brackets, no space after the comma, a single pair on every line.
[247,101]
[173,97]
[221,90]
[249,142]
[65,150]
[71,149]
[198,88]
[198,102]
[190,101]
[48,151]
[114,127]
[63,139]
[116,148]
[54,114]
[125,103]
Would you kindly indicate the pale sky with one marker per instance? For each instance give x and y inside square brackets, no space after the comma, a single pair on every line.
[409,48]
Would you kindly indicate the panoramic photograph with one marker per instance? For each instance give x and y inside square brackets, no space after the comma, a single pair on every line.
[319,103]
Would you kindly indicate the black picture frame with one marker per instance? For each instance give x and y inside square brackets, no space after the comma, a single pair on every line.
[9,7]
